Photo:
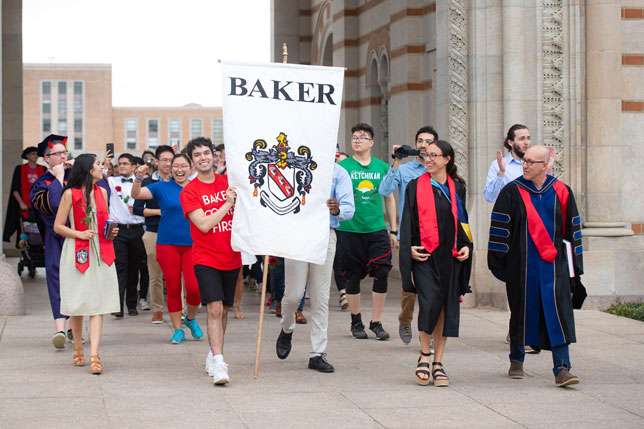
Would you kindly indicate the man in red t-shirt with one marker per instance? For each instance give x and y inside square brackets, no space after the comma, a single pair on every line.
[208,202]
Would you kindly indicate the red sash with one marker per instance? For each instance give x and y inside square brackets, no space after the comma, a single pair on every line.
[537,229]
[563,195]
[82,246]
[427,221]
[25,186]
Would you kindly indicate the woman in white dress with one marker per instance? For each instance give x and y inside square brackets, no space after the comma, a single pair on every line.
[88,281]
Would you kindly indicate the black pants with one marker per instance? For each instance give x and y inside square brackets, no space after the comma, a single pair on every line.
[129,251]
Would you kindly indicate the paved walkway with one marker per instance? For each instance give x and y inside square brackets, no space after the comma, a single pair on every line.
[148,382]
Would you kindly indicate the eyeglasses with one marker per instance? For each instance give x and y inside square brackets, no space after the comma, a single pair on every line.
[433,156]
[530,162]
[165,161]
[361,139]
[64,153]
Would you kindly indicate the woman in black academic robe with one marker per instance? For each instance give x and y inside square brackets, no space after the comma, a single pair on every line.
[436,263]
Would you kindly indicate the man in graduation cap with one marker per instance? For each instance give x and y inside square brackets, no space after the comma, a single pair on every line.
[535,248]
[19,205]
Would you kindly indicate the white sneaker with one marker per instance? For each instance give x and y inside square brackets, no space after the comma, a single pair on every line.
[143,305]
[210,364]
[220,374]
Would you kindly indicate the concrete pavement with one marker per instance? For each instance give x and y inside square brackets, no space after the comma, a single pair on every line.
[148,382]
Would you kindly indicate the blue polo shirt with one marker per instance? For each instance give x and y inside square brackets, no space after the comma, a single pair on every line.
[174,228]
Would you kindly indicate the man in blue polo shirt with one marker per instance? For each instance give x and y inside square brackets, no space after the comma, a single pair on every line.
[397,178]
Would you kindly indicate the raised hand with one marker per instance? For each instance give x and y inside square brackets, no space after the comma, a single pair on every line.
[501,162]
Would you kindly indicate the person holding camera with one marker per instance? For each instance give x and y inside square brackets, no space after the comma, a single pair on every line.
[398,177]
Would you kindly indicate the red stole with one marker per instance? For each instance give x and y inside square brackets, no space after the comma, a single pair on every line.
[82,246]
[537,229]
[427,221]
[25,186]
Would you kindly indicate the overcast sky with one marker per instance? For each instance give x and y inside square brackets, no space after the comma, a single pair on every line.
[163,52]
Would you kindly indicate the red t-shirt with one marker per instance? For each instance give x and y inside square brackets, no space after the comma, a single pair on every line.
[212,248]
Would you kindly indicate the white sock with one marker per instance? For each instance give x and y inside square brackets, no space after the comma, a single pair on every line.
[210,355]
[219,358]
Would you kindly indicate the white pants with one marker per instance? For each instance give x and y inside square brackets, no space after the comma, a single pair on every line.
[319,285]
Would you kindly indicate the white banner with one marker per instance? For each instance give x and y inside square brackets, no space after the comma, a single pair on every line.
[280,130]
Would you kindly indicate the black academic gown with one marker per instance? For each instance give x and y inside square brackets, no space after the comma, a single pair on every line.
[442,279]
[14,214]
[539,292]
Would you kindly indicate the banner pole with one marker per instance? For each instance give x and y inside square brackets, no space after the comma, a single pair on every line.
[265,273]
[261,316]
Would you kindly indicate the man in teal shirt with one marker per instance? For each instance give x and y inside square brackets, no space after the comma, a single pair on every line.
[363,241]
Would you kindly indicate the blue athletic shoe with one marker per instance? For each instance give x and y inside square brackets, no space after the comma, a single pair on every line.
[178,337]
[195,330]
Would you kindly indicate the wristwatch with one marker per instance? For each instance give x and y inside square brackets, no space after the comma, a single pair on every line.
[393,232]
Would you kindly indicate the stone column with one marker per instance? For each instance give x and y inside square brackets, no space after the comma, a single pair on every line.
[603,120]
[11,290]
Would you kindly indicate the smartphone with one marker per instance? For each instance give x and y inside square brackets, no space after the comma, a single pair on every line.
[109,229]
[109,147]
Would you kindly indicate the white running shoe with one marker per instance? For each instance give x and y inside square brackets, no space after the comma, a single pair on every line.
[220,374]
[210,364]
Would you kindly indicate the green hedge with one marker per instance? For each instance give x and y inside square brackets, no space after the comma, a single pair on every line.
[633,310]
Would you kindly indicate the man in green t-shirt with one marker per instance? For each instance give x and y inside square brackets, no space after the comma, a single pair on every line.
[363,242]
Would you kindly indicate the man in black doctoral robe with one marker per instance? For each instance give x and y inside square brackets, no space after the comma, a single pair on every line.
[535,248]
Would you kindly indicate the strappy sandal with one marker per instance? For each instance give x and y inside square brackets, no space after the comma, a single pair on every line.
[344,304]
[423,369]
[95,364]
[238,312]
[443,381]
[79,357]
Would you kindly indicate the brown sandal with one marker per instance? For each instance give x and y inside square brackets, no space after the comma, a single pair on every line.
[95,364]
[79,357]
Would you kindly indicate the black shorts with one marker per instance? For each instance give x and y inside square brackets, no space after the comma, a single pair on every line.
[363,253]
[216,285]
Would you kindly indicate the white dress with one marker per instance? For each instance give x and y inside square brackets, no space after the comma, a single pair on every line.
[96,291]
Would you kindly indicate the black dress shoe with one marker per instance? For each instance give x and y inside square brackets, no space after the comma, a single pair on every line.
[118,314]
[319,363]
[132,312]
[283,345]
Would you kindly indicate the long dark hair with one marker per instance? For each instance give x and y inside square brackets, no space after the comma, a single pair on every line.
[80,176]
[448,150]
[511,134]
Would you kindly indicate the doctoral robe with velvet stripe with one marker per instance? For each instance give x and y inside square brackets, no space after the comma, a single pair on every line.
[539,292]
[442,279]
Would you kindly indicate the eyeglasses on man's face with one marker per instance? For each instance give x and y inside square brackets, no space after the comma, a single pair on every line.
[530,162]
[61,153]
[361,139]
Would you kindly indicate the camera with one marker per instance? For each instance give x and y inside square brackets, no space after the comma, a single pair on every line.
[404,151]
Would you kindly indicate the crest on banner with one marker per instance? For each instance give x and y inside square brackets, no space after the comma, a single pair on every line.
[290,174]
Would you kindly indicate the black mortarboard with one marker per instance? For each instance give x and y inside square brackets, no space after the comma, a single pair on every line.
[28,151]
[49,142]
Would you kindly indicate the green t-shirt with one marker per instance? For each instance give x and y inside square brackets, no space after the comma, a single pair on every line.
[368,216]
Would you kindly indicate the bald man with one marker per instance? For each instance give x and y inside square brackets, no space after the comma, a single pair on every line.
[533,219]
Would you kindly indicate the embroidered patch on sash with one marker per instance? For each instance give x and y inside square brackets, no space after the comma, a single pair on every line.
[81,256]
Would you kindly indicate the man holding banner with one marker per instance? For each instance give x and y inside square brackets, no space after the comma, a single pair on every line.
[366,245]
[341,208]
[208,202]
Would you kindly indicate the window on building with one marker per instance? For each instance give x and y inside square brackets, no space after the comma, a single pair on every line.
[62,107]
[196,129]
[174,128]
[78,115]
[46,108]
[131,132]
[153,133]
[217,131]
